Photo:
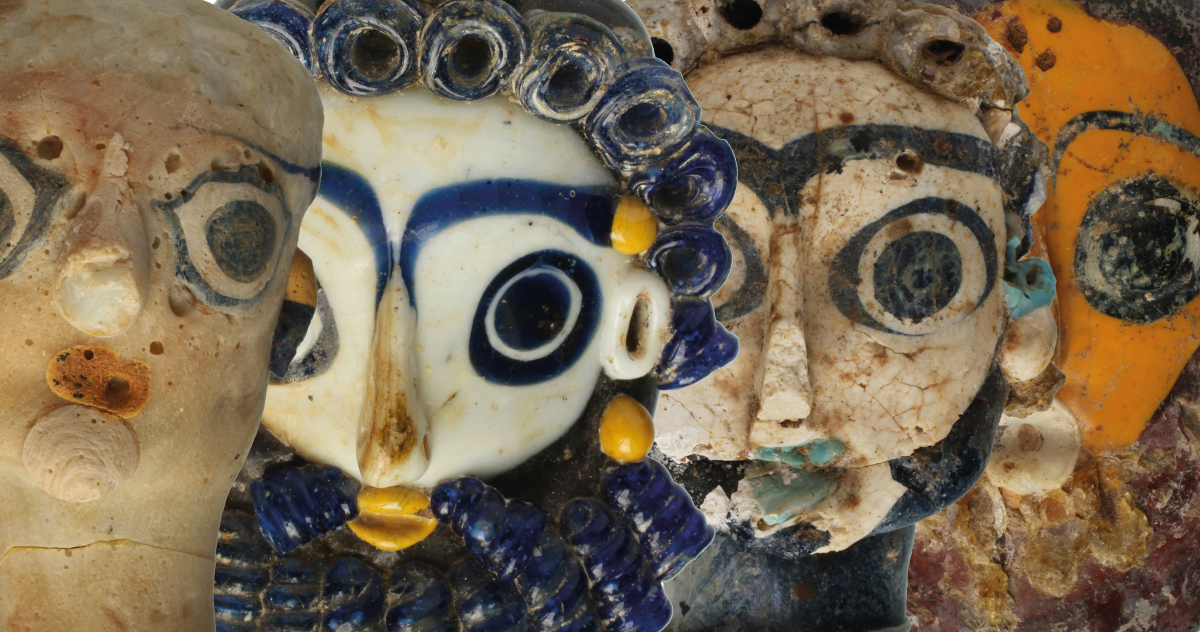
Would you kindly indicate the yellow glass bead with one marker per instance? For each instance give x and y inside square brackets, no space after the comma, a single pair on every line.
[634,226]
[392,533]
[626,430]
[391,501]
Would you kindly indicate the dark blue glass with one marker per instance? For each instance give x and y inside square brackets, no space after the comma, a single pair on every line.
[368,47]
[502,533]
[286,21]
[354,598]
[290,598]
[486,604]
[693,260]
[533,310]
[555,588]
[240,581]
[571,59]
[470,48]
[290,570]
[624,587]
[917,275]
[235,609]
[297,505]
[699,346]
[696,184]
[224,626]
[672,530]
[240,544]
[421,600]
[645,115]
[290,622]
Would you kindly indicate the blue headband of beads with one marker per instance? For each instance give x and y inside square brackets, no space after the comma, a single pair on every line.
[633,109]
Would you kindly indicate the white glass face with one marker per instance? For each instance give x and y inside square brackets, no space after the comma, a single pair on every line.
[475,249]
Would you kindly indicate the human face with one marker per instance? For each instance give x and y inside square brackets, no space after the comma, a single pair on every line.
[463,259]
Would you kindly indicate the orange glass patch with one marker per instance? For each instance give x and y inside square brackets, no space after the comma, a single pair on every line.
[1118,112]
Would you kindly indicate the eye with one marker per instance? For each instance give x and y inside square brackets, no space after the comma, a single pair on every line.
[535,319]
[1138,252]
[921,268]
[229,228]
[29,195]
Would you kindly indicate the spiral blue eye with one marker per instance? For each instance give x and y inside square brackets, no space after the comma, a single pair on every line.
[535,319]
[917,275]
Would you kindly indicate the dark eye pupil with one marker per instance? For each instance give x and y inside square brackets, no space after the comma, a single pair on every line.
[8,219]
[918,275]
[241,237]
[1146,253]
[532,311]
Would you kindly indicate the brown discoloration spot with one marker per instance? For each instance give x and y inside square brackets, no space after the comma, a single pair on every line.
[1054,25]
[846,118]
[1029,439]
[852,501]
[1046,60]
[1017,36]
[899,228]
[95,377]
[1036,395]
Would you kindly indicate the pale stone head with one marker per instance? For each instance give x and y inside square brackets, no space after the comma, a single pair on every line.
[156,158]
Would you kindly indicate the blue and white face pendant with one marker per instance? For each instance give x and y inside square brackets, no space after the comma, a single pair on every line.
[469,298]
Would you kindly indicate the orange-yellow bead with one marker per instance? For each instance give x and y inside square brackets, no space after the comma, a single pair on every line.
[626,430]
[634,226]
[392,518]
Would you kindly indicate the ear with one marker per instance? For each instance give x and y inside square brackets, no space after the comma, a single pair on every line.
[634,327]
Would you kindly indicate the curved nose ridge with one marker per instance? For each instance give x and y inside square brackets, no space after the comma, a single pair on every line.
[104,276]
[784,389]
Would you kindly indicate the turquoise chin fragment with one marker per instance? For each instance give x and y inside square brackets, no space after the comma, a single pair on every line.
[815,453]
[1028,284]
[783,494]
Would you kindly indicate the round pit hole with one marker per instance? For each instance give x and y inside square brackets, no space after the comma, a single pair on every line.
[909,162]
[49,148]
[374,55]
[742,15]
[662,50]
[844,23]
[118,390]
[471,61]
[944,52]
[638,333]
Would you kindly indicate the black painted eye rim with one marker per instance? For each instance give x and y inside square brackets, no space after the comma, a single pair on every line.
[185,269]
[844,279]
[498,368]
[1133,306]
[48,186]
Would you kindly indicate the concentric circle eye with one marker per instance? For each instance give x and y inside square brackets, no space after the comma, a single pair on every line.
[229,230]
[535,319]
[1137,256]
[921,268]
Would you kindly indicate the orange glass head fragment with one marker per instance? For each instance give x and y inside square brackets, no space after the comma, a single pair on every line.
[1121,227]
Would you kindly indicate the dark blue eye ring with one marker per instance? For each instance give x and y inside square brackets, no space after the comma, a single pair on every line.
[368,47]
[21,227]
[535,319]
[917,273]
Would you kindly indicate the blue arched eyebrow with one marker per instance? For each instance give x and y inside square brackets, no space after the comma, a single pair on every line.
[589,210]
[353,195]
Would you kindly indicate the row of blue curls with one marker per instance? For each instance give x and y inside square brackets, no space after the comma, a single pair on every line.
[635,111]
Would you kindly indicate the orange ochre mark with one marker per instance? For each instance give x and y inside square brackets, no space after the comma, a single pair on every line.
[1117,372]
[94,377]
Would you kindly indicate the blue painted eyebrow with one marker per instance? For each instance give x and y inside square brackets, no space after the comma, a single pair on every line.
[353,195]
[589,210]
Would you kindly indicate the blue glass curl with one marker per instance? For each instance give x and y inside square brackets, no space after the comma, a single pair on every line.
[555,589]
[696,184]
[693,260]
[470,48]
[700,345]
[624,587]
[672,531]
[645,115]
[486,604]
[354,596]
[286,21]
[296,505]
[242,558]
[571,59]
[368,47]
[421,600]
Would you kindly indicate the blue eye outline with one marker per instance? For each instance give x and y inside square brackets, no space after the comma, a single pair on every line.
[48,187]
[494,366]
[844,279]
[185,268]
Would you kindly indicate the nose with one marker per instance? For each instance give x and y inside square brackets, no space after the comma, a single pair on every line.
[104,275]
[784,389]
[393,433]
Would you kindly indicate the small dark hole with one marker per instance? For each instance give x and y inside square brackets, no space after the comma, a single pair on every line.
[635,337]
[118,390]
[642,121]
[173,162]
[662,50]
[844,23]
[156,348]
[944,52]
[471,60]
[49,148]
[88,355]
[264,172]
[1031,277]
[568,87]
[909,163]
[374,55]
[742,15]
